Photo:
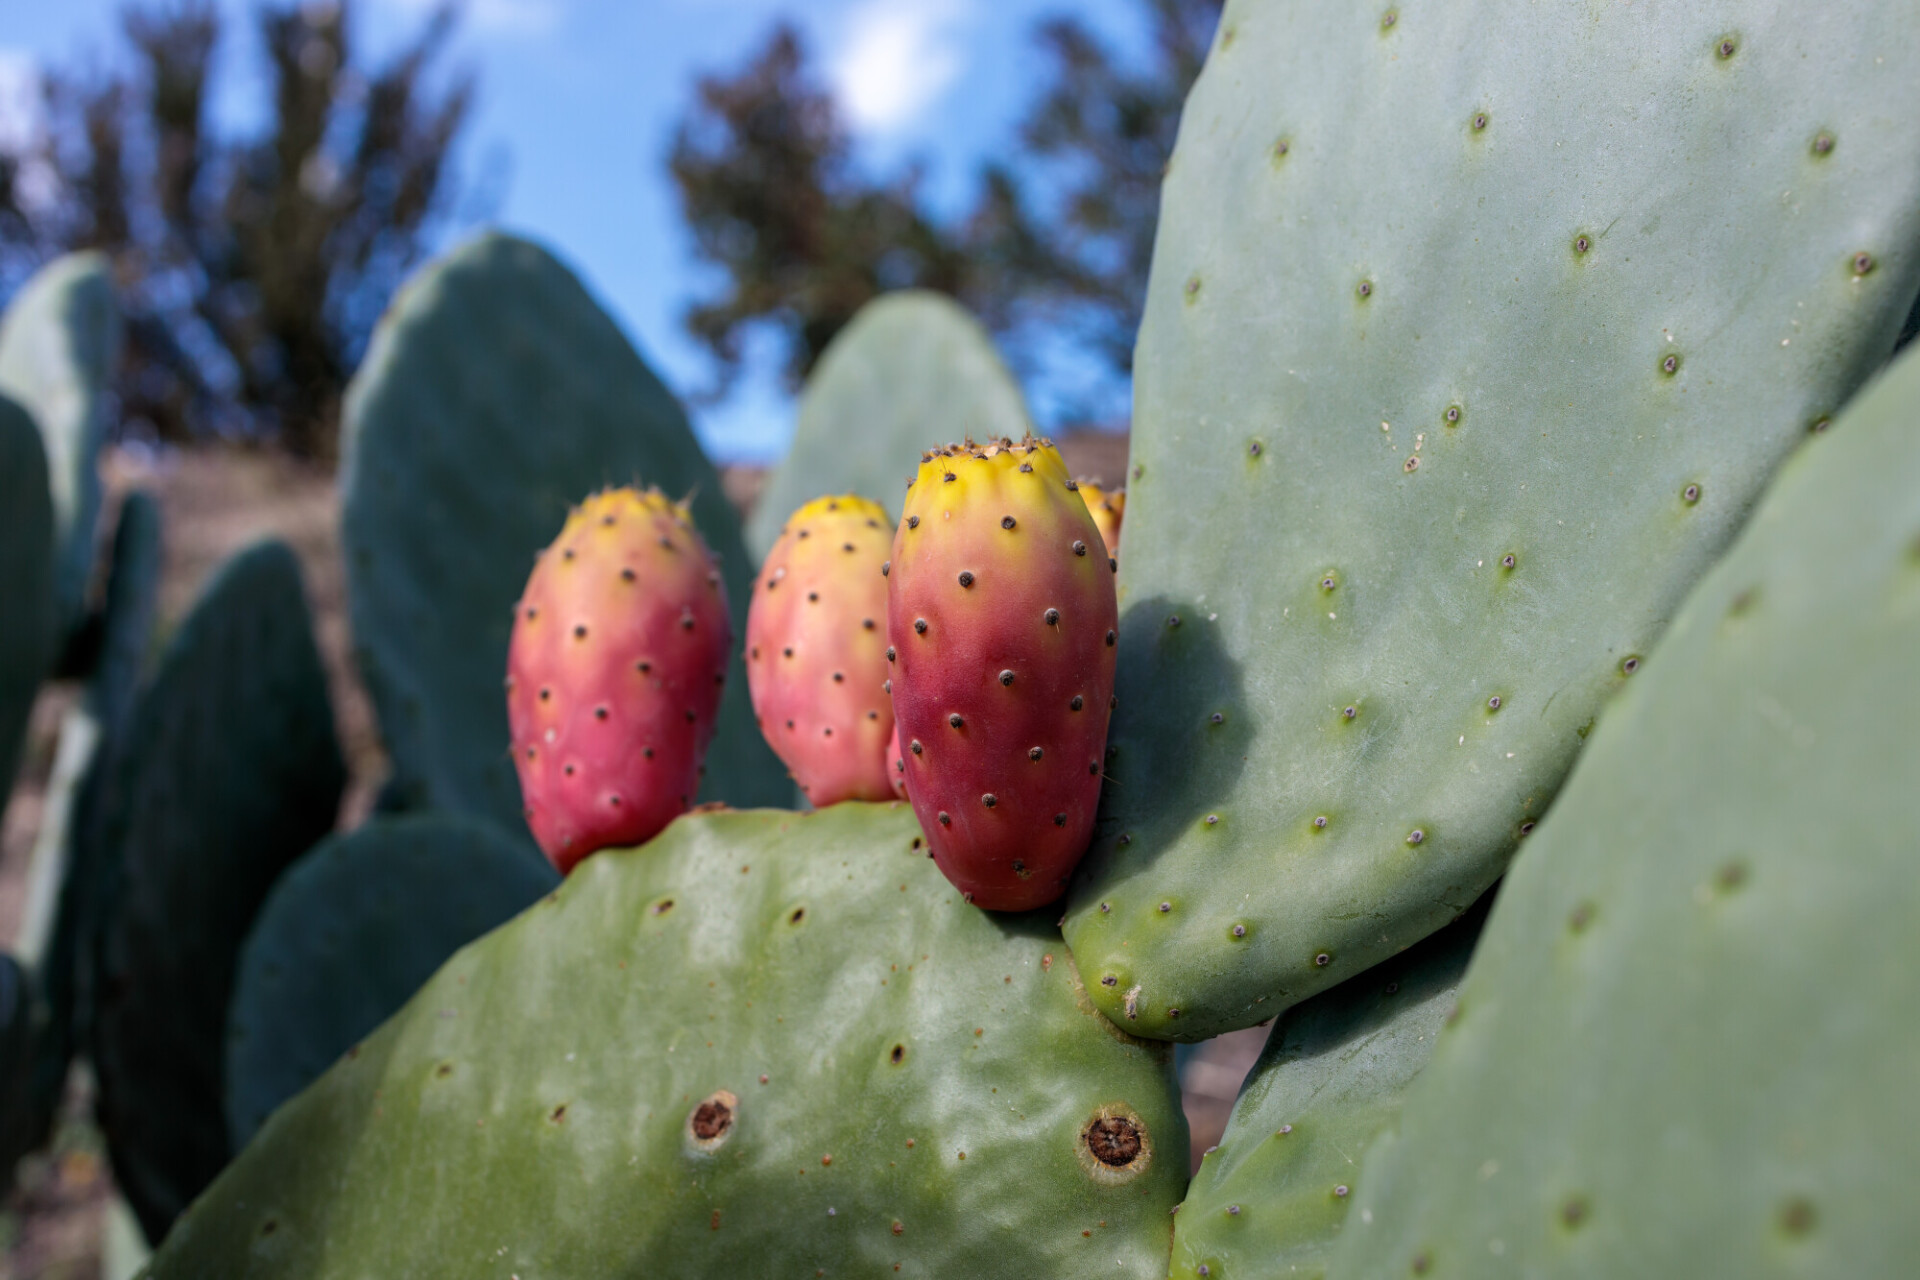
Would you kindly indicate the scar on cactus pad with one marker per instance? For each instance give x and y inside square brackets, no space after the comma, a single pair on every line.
[614,674]
[1001,622]
[816,650]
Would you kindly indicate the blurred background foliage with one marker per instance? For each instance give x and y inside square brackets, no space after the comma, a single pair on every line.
[253,264]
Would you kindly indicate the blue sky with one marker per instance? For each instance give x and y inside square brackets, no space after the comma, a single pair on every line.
[578,98]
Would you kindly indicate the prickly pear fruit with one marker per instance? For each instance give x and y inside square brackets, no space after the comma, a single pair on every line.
[1001,615]
[816,650]
[614,673]
[897,764]
[1107,506]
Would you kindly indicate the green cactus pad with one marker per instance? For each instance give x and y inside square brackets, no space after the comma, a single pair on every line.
[59,341]
[1686,1046]
[1271,1200]
[19,1131]
[230,772]
[26,580]
[905,1081]
[497,394]
[1472,336]
[70,839]
[911,371]
[348,934]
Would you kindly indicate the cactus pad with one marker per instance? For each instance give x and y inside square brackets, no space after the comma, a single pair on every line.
[767,1043]
[1271,1200]
[1473,332]
[230,772]
[496,395]
[26,580]
[1686,1045]
[59,341]
[348,934]
[911,370]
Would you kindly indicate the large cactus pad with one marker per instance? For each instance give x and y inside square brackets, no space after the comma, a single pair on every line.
[26,579]
[911,371]
[59,340]
[348,934]
[764,1044]
[497,394]
[229,773]
[1474,330]
[1687,1044]
[1271,1199]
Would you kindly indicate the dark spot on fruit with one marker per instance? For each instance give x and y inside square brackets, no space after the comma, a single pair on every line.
[1115,1141]
[966,578]
[1059,819]
[1051,617]
[839,677]
[949,477]
[1077,703]
[1079,548]
[627,575]
[890,653]
[600,713]
[1035,753]
[955,721]
[920,626]
[787,652]
[1006,522]
[1006,678]
[546,695]
[580,631]
[813,597]
[946,821]
[989,800]
[568,771]
[916,748]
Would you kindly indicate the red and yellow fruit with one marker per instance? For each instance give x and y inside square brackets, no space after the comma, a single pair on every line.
[1001,615]
[614,674]
[816,650]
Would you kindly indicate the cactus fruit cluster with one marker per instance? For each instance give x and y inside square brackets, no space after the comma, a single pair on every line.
[816,650]
[615,671]
[1001,630]
[1476,337]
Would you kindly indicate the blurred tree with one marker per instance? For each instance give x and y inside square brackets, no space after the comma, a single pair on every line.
[251,269]
[1062,234]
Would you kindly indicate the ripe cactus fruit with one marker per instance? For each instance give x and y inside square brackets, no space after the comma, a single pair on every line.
[1686,1043]
[817,650]
[1107,506]
[614,674]
[910,367]
[1001,619]
[1271,1200]
[1450,383]
[676,1065]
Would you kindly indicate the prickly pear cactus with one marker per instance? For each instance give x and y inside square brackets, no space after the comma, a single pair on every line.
[496,395]
[26,579]
[1108,506]
[913,368]
[620,648]
[59,340]
[1272,1198]
[817,650]
[1000,636]
[348,934]
[230,772]
[677,1065]
[72,871]
[1424,487]
[1647,1076]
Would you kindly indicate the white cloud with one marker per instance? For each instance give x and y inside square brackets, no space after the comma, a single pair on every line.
[899,56]
[494,17]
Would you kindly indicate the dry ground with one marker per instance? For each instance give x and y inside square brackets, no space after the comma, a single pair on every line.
[214,501]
